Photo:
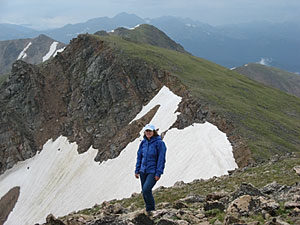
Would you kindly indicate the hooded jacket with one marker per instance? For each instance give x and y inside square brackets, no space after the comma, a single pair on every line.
[151,156]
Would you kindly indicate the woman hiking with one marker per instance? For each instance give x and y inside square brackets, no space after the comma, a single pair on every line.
[150,164]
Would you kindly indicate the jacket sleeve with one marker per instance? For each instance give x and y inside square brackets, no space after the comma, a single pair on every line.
[161,159]
[138,159]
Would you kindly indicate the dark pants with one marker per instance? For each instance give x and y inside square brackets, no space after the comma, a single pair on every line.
[148,181]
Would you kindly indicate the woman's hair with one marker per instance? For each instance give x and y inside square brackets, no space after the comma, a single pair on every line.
[155,133]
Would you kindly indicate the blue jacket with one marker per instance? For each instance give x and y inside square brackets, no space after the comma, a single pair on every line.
[151,156]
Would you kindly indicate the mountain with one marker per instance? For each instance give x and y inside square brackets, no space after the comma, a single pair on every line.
[235,45]
[76,122]
[230,45]
[273,77]
[35,50]
[145,34]
[12,31]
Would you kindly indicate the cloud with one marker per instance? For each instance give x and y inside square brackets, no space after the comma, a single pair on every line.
[265,61]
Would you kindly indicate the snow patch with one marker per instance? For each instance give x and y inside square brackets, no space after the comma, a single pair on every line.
[166,114]
[51,51]
[132,28]
[232,68]
[58,180]
[23,54]
[59,50]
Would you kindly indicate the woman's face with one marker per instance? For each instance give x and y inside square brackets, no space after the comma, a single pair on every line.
[149,133]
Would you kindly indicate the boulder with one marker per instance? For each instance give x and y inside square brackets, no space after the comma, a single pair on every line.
[51,220]
[216,196]
[271,188]
[246,189]
[193,199]
[167,222]
[292,205]
[209,205]
[142,219]
[230,219]
[242,206]
[297,169]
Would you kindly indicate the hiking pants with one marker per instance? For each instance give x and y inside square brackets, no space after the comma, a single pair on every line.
[148,181]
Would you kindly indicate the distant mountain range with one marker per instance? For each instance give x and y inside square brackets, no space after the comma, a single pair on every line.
[31,50]
[227,45]
[273,77]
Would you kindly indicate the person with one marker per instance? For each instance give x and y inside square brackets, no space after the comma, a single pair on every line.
[150,164]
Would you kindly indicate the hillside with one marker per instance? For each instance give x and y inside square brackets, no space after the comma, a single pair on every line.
[34,51]
[266,119]
[273,77]
[76,121]
[147,34]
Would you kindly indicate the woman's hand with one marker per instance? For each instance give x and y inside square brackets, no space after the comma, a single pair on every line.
[137,176]
[156,178]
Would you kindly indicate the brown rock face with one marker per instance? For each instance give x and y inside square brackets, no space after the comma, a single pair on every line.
[89,94]
[7,203]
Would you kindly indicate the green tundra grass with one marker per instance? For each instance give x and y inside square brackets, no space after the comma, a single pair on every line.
[267,119]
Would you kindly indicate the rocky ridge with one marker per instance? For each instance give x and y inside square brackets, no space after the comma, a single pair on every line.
[90,93]
[272,203]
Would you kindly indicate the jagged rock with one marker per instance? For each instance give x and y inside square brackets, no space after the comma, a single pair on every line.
[296,198]
[179,184]
[229,220]
[243,206]
[109,220]
[216,196]
[193,199]
[182,222]
[295,212]
[163,205]
[179,205]
[270,188]
[167,222]
[209,205]
[218,222]
[292,205]
[142,219]
[246,189]
[51,220]
[188,216]
[269,205]
[297,169]
[113,208]
[276,221]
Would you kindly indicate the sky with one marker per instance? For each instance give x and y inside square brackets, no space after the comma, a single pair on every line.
[56,13]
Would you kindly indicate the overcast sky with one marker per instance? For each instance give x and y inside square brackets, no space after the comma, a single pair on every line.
[56,13]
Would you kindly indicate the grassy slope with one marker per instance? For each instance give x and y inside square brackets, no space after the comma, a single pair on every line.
[268,119]
[273,77]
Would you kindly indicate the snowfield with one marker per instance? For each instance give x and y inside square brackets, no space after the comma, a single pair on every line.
[58,180]
[52,50]
[23,54]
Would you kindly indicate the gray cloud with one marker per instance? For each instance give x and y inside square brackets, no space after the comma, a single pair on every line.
[56,13]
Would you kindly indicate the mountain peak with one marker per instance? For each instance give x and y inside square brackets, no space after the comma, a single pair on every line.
[146,34]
